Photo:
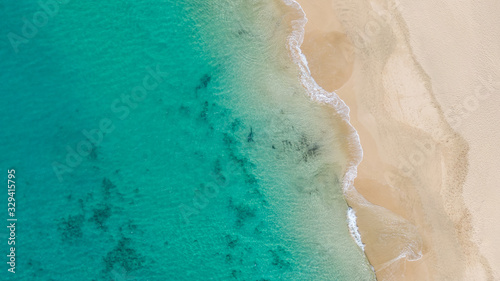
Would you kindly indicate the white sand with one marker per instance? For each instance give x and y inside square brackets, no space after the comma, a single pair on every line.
[460,50]
[401,67]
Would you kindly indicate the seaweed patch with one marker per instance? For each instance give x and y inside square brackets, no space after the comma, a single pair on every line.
[124,256]
[184,110]
[231,241]
[236,273]
[250,136]
[243,32]
[235,125]
[204,111]
[243,213]
[219,176]
[311,151]
[107,187]
[229,258]
[101,215]
[278,259]
[204,81]
[71,227]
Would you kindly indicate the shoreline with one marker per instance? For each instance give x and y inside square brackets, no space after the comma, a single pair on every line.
[319,94]
[414,222]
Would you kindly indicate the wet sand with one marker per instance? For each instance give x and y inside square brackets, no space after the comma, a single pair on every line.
[427,204]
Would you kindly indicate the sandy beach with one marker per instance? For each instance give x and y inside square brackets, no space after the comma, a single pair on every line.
[422,82]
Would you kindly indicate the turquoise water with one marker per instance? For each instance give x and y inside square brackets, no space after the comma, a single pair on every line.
[167,140]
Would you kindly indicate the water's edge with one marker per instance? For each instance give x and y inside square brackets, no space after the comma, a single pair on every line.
[317,93]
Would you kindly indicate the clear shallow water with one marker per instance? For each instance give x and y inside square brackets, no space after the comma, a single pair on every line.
[214,165]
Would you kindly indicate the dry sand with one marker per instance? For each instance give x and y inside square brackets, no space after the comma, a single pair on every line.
[422,80]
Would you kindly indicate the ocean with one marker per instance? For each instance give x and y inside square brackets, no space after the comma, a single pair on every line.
[168,140]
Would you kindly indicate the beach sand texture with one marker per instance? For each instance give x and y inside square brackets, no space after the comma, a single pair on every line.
[421,80]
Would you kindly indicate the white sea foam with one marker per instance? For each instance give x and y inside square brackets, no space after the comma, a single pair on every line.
[317,93]
[353,227]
